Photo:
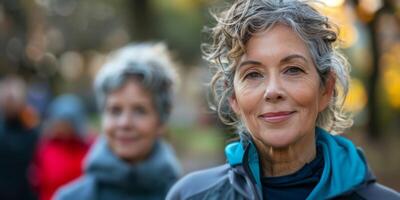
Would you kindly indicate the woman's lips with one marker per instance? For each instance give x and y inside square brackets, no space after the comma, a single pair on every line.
[127,139]
[277,117]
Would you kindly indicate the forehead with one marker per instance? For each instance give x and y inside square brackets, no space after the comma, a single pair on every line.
[279,40]
[131,91]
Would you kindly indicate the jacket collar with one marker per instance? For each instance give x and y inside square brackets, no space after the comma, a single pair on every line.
[342,160]
[243,157]
[158,170]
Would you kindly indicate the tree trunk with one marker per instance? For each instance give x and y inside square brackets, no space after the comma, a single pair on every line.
[141,20]
[372,83]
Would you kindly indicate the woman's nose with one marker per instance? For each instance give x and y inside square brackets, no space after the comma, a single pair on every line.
[273,90]
[125,120]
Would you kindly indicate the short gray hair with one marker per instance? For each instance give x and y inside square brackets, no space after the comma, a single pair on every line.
[236,25]
[150,64]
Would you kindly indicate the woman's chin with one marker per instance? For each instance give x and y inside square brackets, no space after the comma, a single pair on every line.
[278,144]
[130,155]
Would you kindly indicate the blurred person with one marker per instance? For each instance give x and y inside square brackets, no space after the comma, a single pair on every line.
[134,90]
[62,146]
[281,83]
[18,136]
[39,95]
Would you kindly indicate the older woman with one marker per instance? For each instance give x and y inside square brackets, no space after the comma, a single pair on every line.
[134,90]
[280,82]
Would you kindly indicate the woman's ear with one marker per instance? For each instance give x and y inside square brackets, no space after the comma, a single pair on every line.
[234,104]
[162,130]
[327,91]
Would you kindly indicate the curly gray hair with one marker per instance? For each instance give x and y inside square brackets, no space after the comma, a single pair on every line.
[236,25]
[148,63]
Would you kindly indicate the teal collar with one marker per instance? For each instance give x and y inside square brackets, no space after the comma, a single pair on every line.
[345,166]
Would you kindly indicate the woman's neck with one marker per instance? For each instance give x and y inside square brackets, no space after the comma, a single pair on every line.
[287,160]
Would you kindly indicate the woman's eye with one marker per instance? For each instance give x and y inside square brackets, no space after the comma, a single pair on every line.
[294,70]
[253,75]
[115,111]
[139,110]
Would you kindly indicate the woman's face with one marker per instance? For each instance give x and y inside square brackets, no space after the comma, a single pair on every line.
[277,92]
[61,129]
[130,122]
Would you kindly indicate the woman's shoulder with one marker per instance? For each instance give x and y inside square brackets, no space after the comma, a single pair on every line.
[376,190]
[198,182]
[81,188]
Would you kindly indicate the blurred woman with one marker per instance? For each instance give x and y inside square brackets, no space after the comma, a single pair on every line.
[280,81]
[134,90]
[62,147]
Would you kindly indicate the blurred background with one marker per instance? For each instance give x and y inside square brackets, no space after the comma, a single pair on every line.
[57,46]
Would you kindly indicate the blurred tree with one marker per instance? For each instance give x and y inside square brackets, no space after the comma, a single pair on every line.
[372,18]
[376,22]
[13,37]
[141,23]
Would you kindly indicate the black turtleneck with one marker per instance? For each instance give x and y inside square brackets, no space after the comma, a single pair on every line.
[297,185]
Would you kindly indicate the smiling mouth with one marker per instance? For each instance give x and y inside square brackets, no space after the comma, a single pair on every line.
[127,139]
[277,117]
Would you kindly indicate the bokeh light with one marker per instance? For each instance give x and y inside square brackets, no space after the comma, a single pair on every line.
[333,3]
[370,6]
[391,75]
[343,16]
[357,96]
[71,65]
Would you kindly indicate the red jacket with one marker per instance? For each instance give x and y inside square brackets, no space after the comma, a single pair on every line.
[56,163]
